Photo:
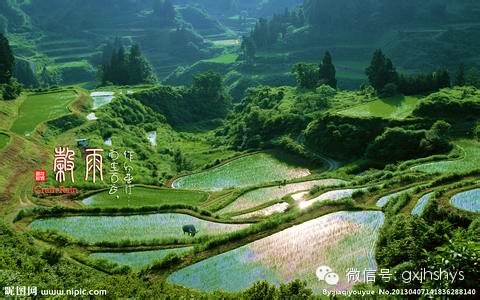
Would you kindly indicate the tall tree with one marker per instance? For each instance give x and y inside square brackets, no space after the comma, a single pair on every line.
[248,49]
[460,76]
[208,95]
[164,11]
[381,71]
[125,68]
[7,60]
[327,71]
[307,75]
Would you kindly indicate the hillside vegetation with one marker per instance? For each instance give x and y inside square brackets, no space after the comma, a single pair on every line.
[218,154]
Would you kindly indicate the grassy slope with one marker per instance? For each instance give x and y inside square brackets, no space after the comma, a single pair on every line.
[398,107]
[38,108]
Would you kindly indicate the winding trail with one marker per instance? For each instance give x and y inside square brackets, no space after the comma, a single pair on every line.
[331,163]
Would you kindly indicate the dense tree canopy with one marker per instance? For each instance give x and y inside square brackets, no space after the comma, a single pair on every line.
[7,60]
[307,75]
[327,71]
[164,11]
[122,68]
[381,71]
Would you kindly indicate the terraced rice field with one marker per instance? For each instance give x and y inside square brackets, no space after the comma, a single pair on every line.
[392,108]
[259,196]
[421,203]
[94,229]
[265,212]
[341,240]
[468,200]
[383,200]
[143,196]
[38,108]
[245,171]
[139,259]
[330,195]
[470,161]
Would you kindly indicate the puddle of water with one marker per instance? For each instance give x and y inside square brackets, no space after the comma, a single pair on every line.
[91,117]
[152,137]
[101,98]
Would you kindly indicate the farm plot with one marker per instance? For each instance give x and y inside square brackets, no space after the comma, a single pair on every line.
[340,240]
[244,171]
[468,200]
[383,200]
[421,203]
[38,108]
[143,196]
[392,108]
[224,59]
[93,229]
[331,195]
[138,259]
[262,195]
[265,212]
[469,162]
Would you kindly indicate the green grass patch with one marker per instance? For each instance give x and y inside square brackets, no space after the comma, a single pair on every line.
[469,162]
[139,259]
[135,228]
[340,240]
[38,108]
[145,196]
[398,107]
[4,140]
[244,171]
[468,200]
[224,59]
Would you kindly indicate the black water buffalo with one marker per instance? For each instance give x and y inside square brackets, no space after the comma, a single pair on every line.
[190,229]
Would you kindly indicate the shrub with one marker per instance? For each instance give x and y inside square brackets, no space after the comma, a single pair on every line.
[52,256]
[170,260]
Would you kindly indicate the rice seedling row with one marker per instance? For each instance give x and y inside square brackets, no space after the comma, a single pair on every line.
[263,195]
[93,229]
[265,212]
[245,171]
[468,200]
[341,240]
[330,195]
[383,200]
[421,203]
[469,162]
[138,259]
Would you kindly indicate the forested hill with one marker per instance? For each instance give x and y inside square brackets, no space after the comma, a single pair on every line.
[67,37]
